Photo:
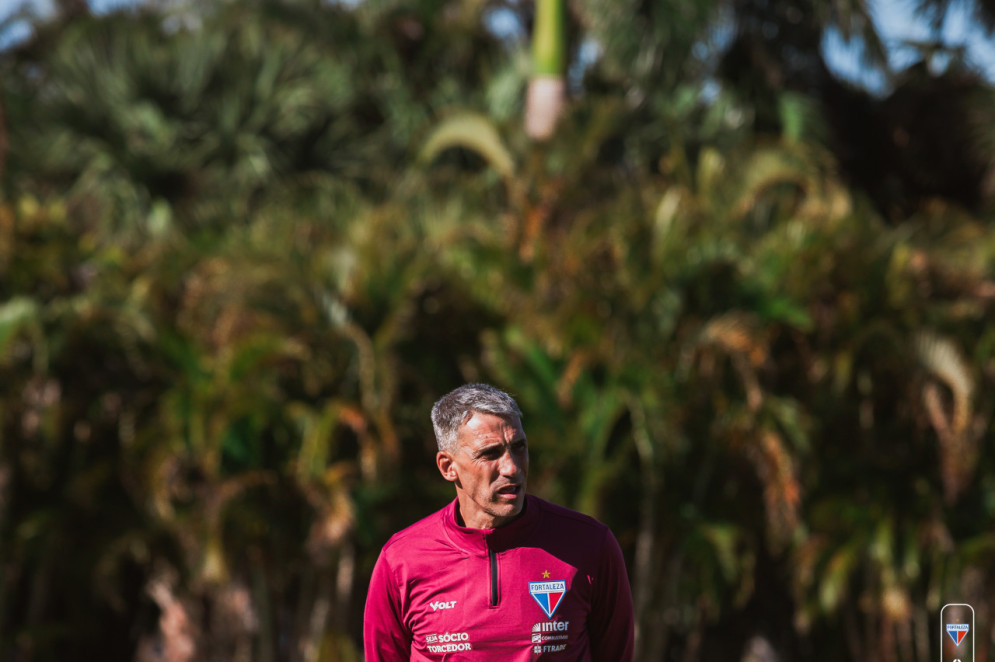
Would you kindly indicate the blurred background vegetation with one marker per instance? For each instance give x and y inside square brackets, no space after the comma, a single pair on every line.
[745,307]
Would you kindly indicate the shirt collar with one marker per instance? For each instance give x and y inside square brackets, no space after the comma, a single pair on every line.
[481,541]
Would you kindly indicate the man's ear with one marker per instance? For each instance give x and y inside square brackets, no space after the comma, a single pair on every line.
[447,467]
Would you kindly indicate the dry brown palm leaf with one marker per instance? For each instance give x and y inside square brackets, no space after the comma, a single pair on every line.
[953,422]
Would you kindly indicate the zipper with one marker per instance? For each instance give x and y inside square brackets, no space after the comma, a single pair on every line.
[495,598]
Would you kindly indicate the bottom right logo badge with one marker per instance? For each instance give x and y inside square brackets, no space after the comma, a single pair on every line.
[957,633]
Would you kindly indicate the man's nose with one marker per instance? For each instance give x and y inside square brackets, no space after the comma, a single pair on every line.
[508,465]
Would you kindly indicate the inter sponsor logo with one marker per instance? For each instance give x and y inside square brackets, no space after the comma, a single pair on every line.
[548,595]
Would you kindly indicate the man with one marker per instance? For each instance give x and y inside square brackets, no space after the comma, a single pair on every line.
[497,574]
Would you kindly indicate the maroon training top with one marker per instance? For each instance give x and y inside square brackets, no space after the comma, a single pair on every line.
[549,586]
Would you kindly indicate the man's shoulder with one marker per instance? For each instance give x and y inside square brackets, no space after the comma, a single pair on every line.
[428,531]
[556,516]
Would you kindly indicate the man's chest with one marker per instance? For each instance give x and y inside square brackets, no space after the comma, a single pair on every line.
[521,604]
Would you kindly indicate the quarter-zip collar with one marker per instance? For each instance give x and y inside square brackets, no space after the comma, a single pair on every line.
[481,541]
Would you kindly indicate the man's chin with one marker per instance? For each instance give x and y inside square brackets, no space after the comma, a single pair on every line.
[508,508]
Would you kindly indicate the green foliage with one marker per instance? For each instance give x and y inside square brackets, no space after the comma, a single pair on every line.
[243,248]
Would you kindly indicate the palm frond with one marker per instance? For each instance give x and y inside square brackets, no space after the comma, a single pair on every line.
[474,132]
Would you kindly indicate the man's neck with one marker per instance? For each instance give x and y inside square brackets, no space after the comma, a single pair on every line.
[490,522]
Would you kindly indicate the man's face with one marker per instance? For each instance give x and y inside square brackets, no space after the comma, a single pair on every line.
[489,468]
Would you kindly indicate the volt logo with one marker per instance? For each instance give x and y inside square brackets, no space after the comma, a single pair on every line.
[442,605]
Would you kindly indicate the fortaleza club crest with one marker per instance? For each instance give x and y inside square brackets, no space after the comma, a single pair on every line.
[958,631]
[549,595]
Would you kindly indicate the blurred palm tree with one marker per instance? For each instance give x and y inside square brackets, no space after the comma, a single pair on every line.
[721,347]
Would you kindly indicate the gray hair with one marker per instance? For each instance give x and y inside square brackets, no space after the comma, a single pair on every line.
[457,406]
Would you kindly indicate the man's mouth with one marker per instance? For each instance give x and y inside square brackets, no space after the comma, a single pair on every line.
[509,491]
